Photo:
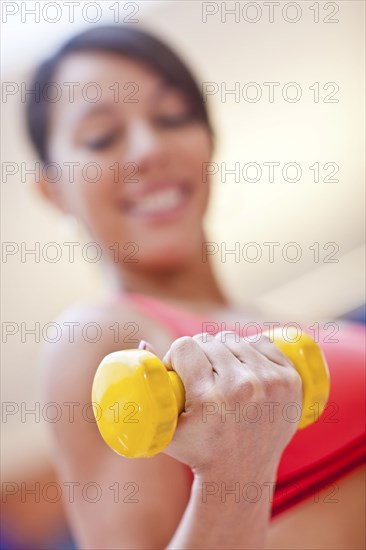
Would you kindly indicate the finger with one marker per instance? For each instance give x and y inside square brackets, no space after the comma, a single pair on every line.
[190,362]
[220,356]
[240,348]
[249,351]
[267,347]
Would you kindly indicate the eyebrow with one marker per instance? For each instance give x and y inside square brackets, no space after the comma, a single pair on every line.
[106,107]
[166,87]
[93,109]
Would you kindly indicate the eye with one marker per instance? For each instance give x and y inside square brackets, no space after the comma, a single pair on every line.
[102,142]
[174,121]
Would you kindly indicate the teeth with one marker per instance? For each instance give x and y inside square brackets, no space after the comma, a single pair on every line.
[159,201]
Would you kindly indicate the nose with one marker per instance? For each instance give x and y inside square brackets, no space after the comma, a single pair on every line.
[145,148]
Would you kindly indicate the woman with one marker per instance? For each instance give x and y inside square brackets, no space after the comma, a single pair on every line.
[149,134]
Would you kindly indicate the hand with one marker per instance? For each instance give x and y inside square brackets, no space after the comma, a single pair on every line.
[253,380]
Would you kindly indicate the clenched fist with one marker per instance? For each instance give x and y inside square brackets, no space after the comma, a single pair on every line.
[241,404]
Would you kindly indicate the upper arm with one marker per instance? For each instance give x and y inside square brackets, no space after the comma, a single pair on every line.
[111,501]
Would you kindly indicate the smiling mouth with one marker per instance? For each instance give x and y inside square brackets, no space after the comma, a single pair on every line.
[162,203]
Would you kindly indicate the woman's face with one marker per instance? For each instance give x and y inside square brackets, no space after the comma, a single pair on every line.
[148,151]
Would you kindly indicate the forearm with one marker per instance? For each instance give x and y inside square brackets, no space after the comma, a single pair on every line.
[226,512]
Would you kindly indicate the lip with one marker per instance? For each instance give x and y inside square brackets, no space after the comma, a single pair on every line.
[157,201]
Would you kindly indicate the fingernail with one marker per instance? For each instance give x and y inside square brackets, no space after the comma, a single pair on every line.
[142,344]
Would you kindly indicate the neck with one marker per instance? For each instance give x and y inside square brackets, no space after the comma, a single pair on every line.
[193,283]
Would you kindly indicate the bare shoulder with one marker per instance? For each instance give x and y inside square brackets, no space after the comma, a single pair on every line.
[133,494]
[68,365]
[332,519]
[91,331]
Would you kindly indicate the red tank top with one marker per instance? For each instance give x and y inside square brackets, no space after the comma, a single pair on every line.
[325,451]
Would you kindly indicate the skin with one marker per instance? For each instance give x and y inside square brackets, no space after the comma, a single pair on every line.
[167,515]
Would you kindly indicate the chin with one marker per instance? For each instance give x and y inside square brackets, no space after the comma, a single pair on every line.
[167,259]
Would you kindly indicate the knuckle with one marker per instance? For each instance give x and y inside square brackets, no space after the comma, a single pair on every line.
[203,337]
[278,380]
[224,335]
[272,382]
[265,338]
[276,353]
[282,357]
[289,379]
[247,388]
[245,345]
[181,345]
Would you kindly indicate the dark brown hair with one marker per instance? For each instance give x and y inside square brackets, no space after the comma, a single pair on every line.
[124,40]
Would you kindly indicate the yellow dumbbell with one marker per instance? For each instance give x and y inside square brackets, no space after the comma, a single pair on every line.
[137,401]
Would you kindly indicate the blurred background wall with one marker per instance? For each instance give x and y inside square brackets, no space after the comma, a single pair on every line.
[321,52]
